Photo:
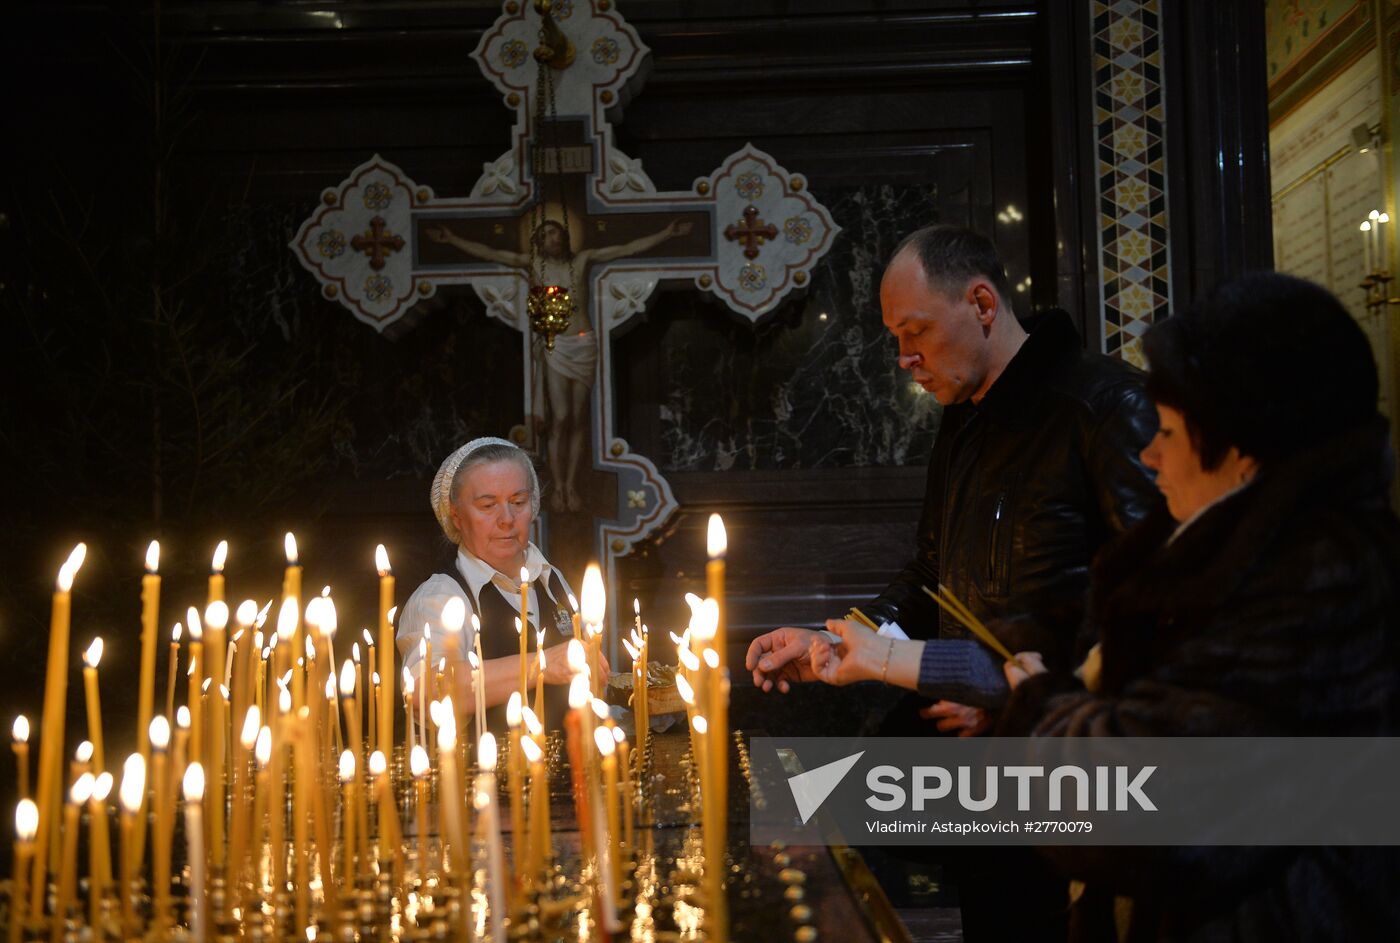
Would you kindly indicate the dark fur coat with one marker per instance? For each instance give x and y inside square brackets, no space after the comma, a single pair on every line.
[1276,613]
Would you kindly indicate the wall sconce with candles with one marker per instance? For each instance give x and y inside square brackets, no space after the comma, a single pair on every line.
[1373,236]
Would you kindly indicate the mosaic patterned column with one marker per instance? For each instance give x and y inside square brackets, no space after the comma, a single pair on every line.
[1131,151]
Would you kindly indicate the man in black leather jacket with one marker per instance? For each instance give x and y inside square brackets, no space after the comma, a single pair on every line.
[1035,467]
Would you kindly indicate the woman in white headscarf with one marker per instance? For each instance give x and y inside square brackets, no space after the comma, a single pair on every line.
[485,496]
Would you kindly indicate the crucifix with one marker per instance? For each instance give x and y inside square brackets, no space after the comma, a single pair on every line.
[565,210]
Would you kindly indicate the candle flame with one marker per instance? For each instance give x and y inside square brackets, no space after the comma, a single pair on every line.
[632,652]
[377,764]
[1383,218]
[193,623]
[381,560]
[636,606]
[287,619]
[532,722]
[133,788]
[573,603]
[289,544]
[82,789]
[686,692]
[26,820]
[347,678]
[578,691]
[284,700]
[159,732]
[540,651]
[517,625]
[711,658]
[247,613]
[1366,226]
[70,568]
[1374,214]
[20,730]
[220,557]
[576,656]
[326,590]
[252,723]
[408,686]
[618,735]
[600,708]
[706,621]
[355,652]
[700,724]
[347,767]
[418,761]
[716,540]
[533,753]
[330,620]
[513,709]
[216,615]
[393,611]
[454,614]
[486,752]
[102,787]
[310,647]
[374,677]
[153,557]
[595,597]
[473,661]
[524,575]
[84,752]
[194,783]
[182,717]
[369,639]
[262,615]
[175,633]
[447,729]
[204,688]
[688,658]
[93,655]
[262,749]
[330,687]
[604,740]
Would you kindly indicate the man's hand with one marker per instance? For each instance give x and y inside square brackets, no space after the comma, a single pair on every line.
[556,664]
[967,721]
[1022,666]
[780,658]
[855,657]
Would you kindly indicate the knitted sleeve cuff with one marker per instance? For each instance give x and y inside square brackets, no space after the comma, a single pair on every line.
[962,671]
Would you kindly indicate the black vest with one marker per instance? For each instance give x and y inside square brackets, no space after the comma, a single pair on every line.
[498,640]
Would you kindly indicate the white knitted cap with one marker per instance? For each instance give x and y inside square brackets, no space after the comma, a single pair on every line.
[441,494]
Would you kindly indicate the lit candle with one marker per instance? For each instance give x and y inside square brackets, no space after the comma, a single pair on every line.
[68,870]
[133,799]
[454,834]
[595,600]
[347,817]
[717,715]
[418,766]
[171,673]
[361,694]
[1382,250]
[291,590]
[216,573]
[390,835]
[215,623]
[479,666]
[607,748]
[194,837]
[277,797]
[488,815]
[522,629]
[425,666]
[163,835]
[262,755]
[539,809]
[408,688]
[385,734]
[539,672]
[238,834]
[146,692]
[26,825]
[20,744]
[712,839]
[515,781]
[195,680]
[99,847]
[372,701]
[52,722]
[628,836]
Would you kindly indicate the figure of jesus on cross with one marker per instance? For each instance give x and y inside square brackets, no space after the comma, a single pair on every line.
[569,370]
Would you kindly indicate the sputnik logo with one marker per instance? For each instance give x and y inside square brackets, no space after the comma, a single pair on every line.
[810,789]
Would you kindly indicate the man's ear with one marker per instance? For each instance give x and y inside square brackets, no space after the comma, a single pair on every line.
[984,298]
